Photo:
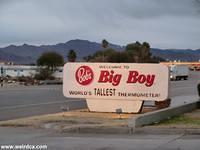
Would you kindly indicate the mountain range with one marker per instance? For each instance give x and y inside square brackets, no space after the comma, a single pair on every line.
[28,54]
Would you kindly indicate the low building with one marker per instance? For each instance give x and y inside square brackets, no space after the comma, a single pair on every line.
[26,71]
[192,65]
[18,71]
[6,62]
[58,73]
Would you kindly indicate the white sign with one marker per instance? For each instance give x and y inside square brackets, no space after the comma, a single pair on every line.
[122,81]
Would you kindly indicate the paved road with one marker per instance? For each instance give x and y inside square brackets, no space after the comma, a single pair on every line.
[182,88]
[188,87]
[18,102]
[58,141]
[27,101]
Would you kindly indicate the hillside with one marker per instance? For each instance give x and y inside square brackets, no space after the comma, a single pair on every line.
[27,54]
[177,54]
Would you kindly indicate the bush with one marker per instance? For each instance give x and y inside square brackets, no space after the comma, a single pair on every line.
[51,78]
[43,74]
[25,80]
[43,77]
[163,104]
[39,77]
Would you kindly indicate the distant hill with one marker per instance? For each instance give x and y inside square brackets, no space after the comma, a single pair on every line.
[27,54]
[177,54]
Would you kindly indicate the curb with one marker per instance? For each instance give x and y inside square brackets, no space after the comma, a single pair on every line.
[131,131]
[135,125]
[163,130]
[159,115]
[98,130]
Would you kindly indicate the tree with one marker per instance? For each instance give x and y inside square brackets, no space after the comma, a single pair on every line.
[140,53]
[71,56]
[104,43]
[100,56]
[134,52]
[118,57]
[48,63]
[145,55]
[51,60]
[87,58]
[108,55]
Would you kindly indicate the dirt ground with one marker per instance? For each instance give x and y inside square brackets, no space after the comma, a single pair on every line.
[76,117]
[84,118]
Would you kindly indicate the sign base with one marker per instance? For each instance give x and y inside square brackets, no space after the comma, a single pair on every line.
[126,106]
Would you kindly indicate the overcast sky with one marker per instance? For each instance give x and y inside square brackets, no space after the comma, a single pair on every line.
[162,23]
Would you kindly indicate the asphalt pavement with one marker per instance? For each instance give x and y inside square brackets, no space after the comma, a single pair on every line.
[185,87]
[58,141]
[24,101]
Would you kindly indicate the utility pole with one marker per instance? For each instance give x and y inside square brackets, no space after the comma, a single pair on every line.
[1,76]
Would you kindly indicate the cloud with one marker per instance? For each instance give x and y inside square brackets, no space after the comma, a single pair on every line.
[160,22]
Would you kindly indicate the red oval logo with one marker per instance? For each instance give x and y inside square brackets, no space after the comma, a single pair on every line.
[84,75]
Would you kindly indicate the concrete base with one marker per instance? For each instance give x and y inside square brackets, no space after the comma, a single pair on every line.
[126,106]
[157,116]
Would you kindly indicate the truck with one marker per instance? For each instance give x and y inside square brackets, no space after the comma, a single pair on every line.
[178,72]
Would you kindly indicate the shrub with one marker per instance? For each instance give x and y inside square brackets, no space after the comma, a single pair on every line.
[43,74]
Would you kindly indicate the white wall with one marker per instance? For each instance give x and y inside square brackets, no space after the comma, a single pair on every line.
[58,73]
[18,71]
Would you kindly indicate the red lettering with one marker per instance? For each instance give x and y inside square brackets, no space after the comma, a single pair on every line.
[150,80]
[141,78]
[135,77]
[132,78]
[103,76]
[110,77]
[84,75]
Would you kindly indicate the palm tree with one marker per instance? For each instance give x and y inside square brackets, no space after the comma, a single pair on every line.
[104,43]
[71,56]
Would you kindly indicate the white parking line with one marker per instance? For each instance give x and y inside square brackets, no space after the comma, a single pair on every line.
[29,89]
[182,88]
[29,105]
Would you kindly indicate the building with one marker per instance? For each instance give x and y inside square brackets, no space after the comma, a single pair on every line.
[191,65]
[26,71]
[6,62]
[18,71]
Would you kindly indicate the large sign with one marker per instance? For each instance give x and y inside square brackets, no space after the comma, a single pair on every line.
[122,81]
